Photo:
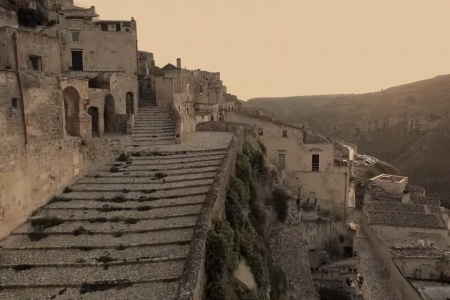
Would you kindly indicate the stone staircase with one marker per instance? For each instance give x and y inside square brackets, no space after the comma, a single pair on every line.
[153,125]
[122,232]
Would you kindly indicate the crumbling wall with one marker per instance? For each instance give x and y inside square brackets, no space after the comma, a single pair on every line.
[30,176]
[8,18]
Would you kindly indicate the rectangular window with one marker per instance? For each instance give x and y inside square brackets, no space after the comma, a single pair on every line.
[15,102]
[261,132]
[281,160]
[118,27]
[104,27]
[77,60]
[35,63]
[75,36]
[284,133]
[315,162]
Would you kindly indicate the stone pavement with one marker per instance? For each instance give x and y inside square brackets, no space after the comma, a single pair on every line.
[122,232]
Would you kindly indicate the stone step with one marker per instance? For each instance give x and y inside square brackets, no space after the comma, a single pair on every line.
[139,138]
[139,186]
[157,290]
[126,204]
[177,154]
[165,160]
[158,131]
[153,127]
[76,276]
[152,123]
[145,117]
[127,226]
[155,135]
[73,256]
[138,174]
[189,191]
[54,241]
[167,179]
[162,167]
[150,144]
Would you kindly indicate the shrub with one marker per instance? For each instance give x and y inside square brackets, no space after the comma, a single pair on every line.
[244,168]
[241,189]
[263,147]
[234,210]
[280,200]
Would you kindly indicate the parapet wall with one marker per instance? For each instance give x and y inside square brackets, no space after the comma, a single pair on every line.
[31,175]
[249,130]
[193,282]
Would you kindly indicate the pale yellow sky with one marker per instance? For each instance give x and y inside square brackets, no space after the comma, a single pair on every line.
[281,48]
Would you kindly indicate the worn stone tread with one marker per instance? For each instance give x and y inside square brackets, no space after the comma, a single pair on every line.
[128,173]
[122,226]
[42,276]
[129,204]
[150,167]
[149,178]
[139,186]
[168,160]
[70,241]
[149,143]
[157,212]
[172,155]
[137,195]
[147,291]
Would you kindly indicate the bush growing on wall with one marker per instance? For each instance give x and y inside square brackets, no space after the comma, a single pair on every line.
[237,237]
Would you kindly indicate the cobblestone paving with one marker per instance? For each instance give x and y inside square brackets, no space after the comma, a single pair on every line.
[113,235]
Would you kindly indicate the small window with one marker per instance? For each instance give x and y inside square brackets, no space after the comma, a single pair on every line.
[118,27]
[15,102]
[76,36]
[281,160]
[284,133]
[261,131]
[187,111]
[203,117]
[104,27]
[35,63]
[315,163]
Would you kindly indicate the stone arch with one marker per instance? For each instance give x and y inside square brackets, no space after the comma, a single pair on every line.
[129,103]
[94,113]
[109,113]
[72,111]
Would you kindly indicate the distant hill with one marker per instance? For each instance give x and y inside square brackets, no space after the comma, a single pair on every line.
[407,126]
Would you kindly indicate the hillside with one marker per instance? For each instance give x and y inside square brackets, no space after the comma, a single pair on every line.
[407,126]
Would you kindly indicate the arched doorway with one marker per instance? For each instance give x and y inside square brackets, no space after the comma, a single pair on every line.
[71,111]
[129,103]
[109,113]
[93,112]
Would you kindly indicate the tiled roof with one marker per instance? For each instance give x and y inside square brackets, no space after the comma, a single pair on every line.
[415,189]
[433,201]
[416,251]
[169,67]
[396,206]
[315,139]
[405,219]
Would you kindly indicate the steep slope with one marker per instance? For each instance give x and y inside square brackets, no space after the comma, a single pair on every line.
[407,125]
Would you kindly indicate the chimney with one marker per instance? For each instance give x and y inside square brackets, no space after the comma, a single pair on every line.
[179,63]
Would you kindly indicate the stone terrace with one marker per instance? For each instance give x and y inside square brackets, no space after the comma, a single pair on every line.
[120,233]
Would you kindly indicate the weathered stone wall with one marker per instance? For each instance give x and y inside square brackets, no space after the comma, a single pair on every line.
[193,282]
[8,18]
[11,121]
[289,255]
[120,86]
[249,130]
[30,43]
[30,176]
[42,100]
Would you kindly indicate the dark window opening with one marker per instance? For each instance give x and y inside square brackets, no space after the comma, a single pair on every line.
[15,102]
[76,36]
[35,63]
[77,60]
[261,131]
[315,162]
[118,27]
[104,27]
[281,160]
[284,133]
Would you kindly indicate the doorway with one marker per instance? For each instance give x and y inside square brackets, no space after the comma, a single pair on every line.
[109,114]
[77,60]
[93,112]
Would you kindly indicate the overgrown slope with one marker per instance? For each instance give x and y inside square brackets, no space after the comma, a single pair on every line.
[407,126]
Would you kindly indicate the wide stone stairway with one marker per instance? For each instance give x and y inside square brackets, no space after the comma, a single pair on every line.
[122,232]
[153,125]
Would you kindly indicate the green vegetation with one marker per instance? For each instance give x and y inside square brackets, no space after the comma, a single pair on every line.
[240,236]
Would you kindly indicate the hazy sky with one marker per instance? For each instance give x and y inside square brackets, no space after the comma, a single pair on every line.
[270,48]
